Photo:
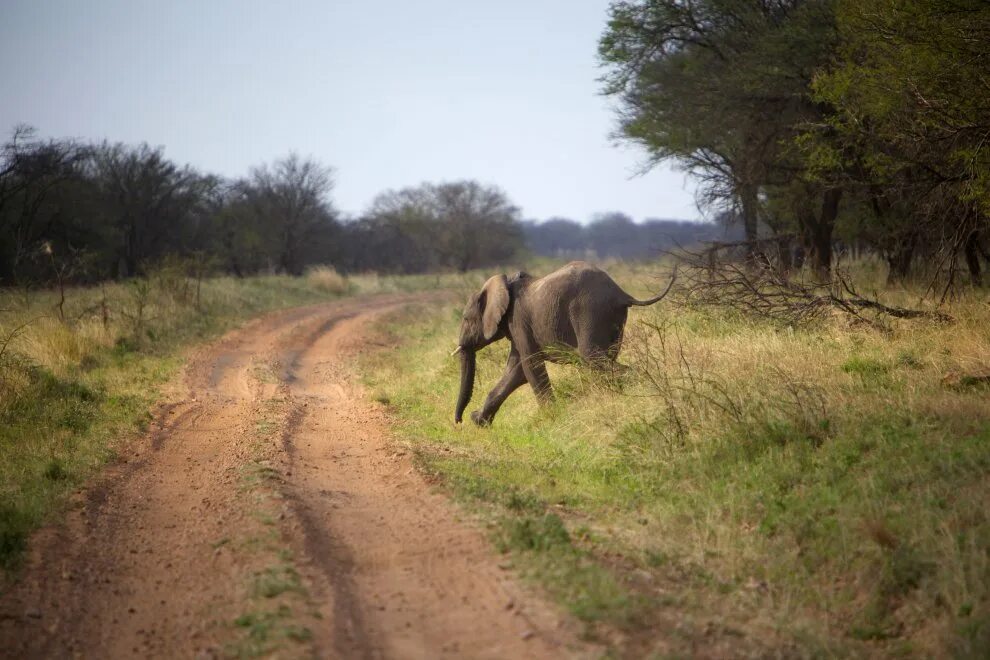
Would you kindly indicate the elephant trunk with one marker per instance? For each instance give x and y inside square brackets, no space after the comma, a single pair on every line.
[467,382]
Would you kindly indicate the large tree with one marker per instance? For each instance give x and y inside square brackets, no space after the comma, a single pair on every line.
[722,87]
[911,127]
[144,203]
[290,199]
[34,207]
[460,224]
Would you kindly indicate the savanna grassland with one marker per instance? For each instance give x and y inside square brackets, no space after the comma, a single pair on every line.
[81,370]
[746,486]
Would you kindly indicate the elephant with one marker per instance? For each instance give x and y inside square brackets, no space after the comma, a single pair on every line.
[578,307]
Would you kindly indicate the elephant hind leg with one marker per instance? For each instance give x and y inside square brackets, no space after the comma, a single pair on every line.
[600,342]
[535,370]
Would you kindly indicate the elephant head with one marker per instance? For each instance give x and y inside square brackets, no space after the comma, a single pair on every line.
[480,323]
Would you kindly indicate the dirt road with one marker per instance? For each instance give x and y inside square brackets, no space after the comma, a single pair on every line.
[268,511]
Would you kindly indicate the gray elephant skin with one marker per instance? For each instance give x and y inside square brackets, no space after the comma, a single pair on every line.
[578,307]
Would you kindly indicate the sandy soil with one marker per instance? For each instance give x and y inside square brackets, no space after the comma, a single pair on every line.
[268,486]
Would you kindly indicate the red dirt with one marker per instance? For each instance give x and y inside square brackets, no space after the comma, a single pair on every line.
[270,460]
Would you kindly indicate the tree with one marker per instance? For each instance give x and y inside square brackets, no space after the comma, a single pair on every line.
[556,237]
[615,235]
[722,87]
[291,198]
[481,225]
[461,225]
[911,127]
[145,203]
[32,171]
[403,231]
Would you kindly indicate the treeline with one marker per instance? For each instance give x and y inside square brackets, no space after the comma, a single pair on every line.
[86,212]
[865,122]
[77,212]
[616,235]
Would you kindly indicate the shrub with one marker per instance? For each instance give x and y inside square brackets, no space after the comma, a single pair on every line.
[326,278]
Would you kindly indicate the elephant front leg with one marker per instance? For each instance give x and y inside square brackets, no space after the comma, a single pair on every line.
[511,379]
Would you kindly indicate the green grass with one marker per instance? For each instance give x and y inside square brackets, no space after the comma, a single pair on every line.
[266,631]
[823,489]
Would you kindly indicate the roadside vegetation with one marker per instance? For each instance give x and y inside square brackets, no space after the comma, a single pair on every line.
[80,368]
[748,484]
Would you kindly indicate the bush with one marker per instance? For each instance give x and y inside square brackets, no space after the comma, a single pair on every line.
[326,278]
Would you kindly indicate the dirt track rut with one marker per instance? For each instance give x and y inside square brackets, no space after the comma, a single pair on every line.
[268,511]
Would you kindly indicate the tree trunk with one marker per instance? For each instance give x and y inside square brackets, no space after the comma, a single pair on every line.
[971,250]
[785,261]
[821,232]
[899,259]
[750,215]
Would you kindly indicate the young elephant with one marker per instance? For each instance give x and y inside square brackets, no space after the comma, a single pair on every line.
[578,306]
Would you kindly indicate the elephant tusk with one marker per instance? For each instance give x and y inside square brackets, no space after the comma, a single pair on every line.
[457,350]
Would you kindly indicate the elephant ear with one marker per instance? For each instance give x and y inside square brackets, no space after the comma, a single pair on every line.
[496,292]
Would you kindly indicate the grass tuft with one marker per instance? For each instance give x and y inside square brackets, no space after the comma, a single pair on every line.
[326,278]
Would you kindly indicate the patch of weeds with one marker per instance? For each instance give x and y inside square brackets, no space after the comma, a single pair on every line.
[14,527]
[663,435]
[657,558]
[274,581]
[516,500]
[909,360]
[980,382]
[124,346]
[543,547]
[784,432]
[972,638]
[530,533]
[868,369]
[264,374]
[265,428]
[264,632]
[255,474]
[55,471]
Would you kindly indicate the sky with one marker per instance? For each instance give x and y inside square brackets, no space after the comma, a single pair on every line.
[391,93]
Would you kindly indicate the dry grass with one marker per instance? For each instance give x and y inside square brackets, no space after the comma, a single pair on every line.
[326,278]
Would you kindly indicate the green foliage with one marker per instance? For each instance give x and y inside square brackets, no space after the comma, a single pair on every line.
[264,632]
[907,130]
[907,92]
[534,534]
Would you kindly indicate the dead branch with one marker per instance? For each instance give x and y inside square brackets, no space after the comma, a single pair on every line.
[762,291]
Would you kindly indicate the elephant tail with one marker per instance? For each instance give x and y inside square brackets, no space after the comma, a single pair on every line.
[643,303]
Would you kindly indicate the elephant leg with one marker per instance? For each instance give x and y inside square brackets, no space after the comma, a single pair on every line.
[535,370]
[512,378]
[600,340]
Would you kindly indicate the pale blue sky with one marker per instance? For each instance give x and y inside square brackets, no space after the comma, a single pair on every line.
[389,93]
